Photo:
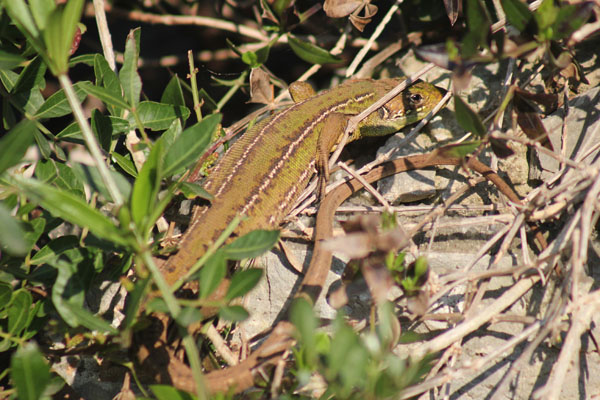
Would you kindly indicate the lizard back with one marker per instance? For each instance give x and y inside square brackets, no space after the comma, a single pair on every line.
[264,172]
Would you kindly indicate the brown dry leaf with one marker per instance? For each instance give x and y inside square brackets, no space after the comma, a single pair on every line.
[365,238]
[378,278]
[418,304]
[341,8]
[453,10]
[500,147]
[548,101]
[360,22]
[529,121]
[354,245]
[351,8]
[261,90]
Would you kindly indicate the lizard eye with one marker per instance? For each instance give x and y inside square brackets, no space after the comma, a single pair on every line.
[416,98]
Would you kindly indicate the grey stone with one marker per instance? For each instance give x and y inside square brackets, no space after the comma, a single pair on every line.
[583,131]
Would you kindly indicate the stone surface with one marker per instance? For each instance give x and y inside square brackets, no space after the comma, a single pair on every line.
[409,186]
[583,132]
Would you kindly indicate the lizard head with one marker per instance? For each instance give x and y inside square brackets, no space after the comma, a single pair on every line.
[412,105]
[408,107]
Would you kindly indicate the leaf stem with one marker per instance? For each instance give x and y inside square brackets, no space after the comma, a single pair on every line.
[194,83]
[192,352]
[168,297]
[239,82]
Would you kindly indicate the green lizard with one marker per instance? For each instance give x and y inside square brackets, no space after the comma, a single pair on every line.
[265,171]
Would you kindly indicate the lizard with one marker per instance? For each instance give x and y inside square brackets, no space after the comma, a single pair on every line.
[264,172]
[241,376]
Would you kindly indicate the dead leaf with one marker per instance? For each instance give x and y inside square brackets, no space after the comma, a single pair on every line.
[261,90]
[351,8]
[418,304]
[548,101]
[453,10]
[353,245]
[360,22]
[500,148]
[341,8]
[530,122]
[378,278]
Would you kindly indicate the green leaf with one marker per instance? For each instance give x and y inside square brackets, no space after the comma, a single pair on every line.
[29,372]
[212,273]
[145,188]
[40,10]
[169,136]
[188,316]
[74,270]
[87,59]
[57,105]
[73,209]
[311,53]
[103,128]
[479,23]
[59,33]
[73,132]
[90,175]
[344,341]
[458,150]
[279,6]
[33,230]
[546,15]
[107,78]
[570,18]
[11,235]
[50,253]
[126,163]
[164,392]
[233,313]
[194,190]
[173,93]
[421,266]
[105,95]
[67,288]
[8,79]
[467,118]
[32,77]
[44,146]
[10,60]
[18,311]
[256,58]
[478,18]
[46,171]
[251,244]
[129,77]
[15,143]
[303,318]
[517,13]
[89,320]
[157,304]
[134,302]
[5,294]
[20,14]
[158,116]
[242,282]
[190,144]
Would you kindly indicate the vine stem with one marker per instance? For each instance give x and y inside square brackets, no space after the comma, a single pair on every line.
[90,139]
